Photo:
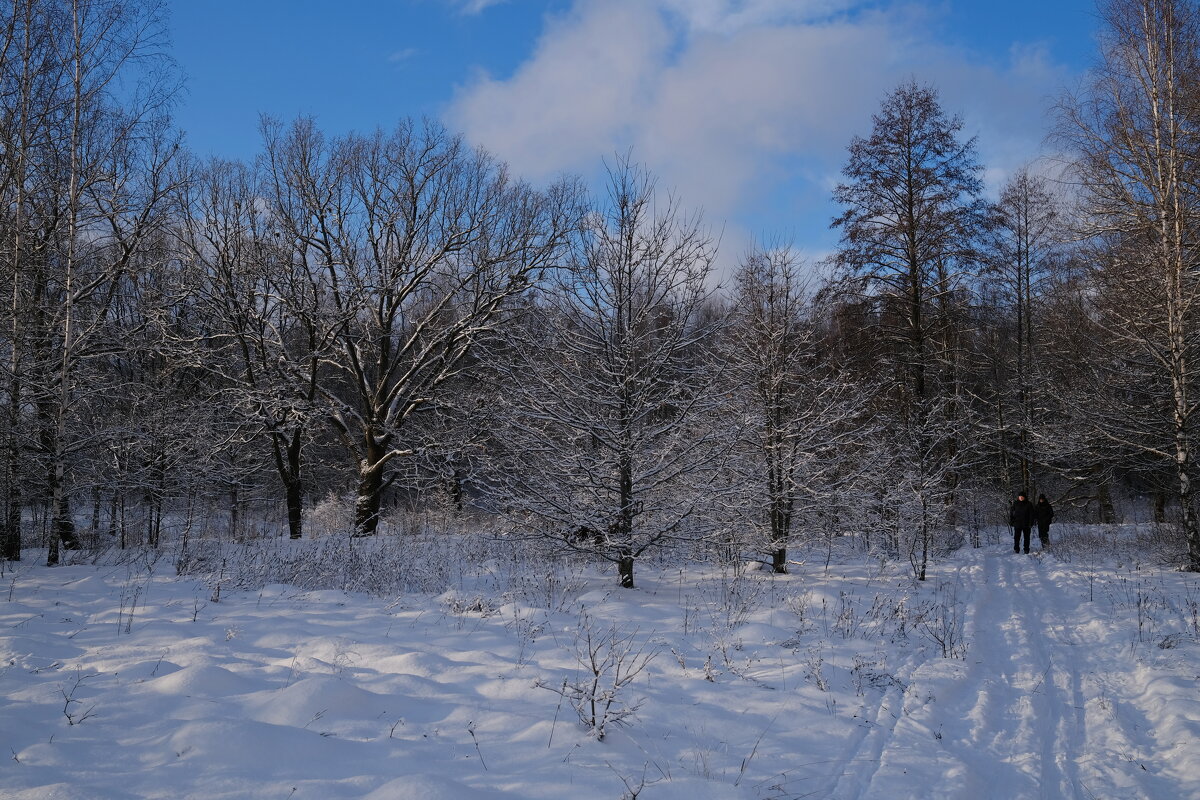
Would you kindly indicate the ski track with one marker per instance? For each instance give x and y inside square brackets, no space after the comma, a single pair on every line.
[1013,720]
[860,759]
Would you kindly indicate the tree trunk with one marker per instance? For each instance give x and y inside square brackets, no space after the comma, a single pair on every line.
[154,528]
[625,570]
[455,487]
[62,528]
[288,465]
[122,526]
[1108,514]
[1187,508]
[624,530]
[923,565]
[295,509]
[1159,503]
[371,468]
[94,529]
[370,499]
[781,523]
[112,514]
[779,561]
[11,533]
[235,512]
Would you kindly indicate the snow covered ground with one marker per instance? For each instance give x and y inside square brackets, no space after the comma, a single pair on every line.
[1004,676]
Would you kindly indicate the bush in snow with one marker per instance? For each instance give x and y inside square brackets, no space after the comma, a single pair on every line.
[610,662]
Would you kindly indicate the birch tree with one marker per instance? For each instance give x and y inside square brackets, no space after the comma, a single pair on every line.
[28,84]
[90,149]
[1135,130]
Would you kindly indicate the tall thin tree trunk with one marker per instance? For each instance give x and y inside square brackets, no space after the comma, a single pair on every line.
[295,510]
[1108,513]
[624,530]
[94,528]
[112,514]
[235,513]
[124,524]
[62,527]
[11,543]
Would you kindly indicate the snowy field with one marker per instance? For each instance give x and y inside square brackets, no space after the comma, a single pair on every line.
[1004,676]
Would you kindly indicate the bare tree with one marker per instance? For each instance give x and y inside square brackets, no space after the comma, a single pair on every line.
[796,415]
[267,323]
[1025,257]
[913,216]
[27,85]
[1135,130]
[423,243]
[89,153]
[612,382]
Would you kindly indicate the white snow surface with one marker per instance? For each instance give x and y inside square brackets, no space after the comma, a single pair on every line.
[1003,676]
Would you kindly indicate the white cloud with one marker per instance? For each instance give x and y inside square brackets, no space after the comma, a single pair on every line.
[730,107]
[586,85]
[731,16]
[743,106]
[400,56]
[472,7]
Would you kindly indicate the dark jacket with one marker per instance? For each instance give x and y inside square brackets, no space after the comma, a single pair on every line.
[1021,514]
[1043,512]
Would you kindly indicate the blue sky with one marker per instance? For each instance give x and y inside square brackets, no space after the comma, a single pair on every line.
[743,108]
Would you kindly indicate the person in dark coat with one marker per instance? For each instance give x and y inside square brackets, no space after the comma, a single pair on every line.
[1043,514]
[1020,517]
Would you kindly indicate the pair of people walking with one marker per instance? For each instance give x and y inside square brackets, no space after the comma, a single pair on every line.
[1022,517]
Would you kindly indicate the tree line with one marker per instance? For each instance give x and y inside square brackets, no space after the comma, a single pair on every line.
[395,317]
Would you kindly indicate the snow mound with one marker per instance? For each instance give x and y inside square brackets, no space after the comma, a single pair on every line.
[312,698]
[203,680]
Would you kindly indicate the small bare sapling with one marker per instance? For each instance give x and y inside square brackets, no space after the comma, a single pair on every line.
[610,662]
[74,715]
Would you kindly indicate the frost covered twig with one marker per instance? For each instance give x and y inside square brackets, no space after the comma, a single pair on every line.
[75,717]
[610,662]
[471,730]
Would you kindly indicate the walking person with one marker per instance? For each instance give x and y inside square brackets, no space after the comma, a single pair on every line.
[1043,514]
[1020,517]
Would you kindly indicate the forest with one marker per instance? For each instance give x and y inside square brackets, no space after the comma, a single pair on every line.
[351,331]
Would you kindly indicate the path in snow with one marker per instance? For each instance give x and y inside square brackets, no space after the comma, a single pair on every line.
[1040,708]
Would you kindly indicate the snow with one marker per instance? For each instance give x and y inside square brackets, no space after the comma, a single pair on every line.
[1066,678]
